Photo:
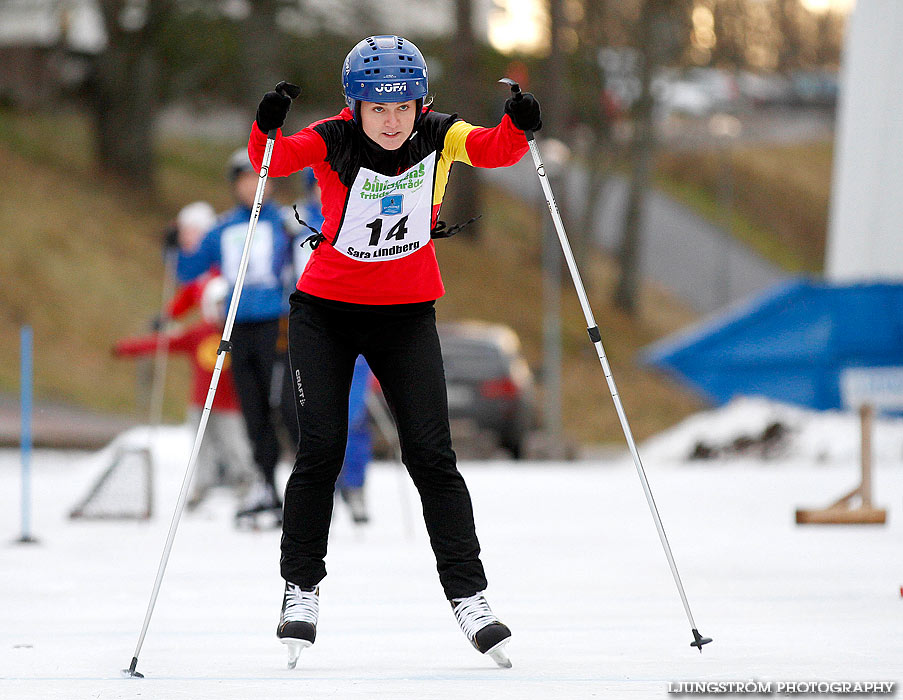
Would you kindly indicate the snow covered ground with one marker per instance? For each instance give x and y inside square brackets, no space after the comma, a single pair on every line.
[575,566]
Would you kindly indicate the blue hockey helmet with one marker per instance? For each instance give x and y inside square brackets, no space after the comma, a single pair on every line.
[385,68]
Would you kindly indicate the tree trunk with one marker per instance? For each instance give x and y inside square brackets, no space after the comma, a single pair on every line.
[627,292]
[260,52]
[662,32]
[555,106]
[464,193]
[651,43]
[595,157]
[124,96]
[791,43]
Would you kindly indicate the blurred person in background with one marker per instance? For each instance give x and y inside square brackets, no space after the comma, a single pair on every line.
[255,334]
[359,449]
[224,457]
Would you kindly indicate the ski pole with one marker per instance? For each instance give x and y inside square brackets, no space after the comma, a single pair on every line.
[161,353]
[376,405]
[596,338]
[225,346]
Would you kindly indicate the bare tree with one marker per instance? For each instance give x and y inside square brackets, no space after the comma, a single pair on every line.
[556,105]
[642,146]
[660,37]
[593,111]
[464,197]
[791,47]
[731,33]
[260,51]
[124,88]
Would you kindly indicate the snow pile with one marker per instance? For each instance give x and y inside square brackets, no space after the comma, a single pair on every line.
[761,429]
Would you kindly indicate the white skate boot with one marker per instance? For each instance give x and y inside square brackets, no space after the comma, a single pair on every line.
[298,621]
[484,630]
[261,508]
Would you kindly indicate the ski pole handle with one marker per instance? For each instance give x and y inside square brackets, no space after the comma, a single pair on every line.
[286,90]
[517,96]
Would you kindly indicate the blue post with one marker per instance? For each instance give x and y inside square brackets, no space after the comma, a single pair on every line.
[26,409]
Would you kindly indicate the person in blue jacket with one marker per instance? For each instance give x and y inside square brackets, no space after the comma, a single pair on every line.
[256,331]
[359,450]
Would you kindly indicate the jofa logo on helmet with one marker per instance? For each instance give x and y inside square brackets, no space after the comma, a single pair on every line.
[390,87]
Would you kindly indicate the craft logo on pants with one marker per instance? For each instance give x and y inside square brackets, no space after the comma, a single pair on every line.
[301,398]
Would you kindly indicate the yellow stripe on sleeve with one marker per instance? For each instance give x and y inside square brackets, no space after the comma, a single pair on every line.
[453,149]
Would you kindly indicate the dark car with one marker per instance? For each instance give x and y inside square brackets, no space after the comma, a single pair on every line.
[489,381]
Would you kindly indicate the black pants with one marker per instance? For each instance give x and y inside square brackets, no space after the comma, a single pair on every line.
[401,346]
[254,357]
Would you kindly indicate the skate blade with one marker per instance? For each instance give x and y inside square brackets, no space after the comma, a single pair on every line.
[294,646]
[255,522]
[499,655]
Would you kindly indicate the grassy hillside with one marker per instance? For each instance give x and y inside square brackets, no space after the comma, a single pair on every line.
[780,197]
[82,265]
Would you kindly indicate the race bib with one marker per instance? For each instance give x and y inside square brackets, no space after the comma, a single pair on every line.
[388,217]
[260,257]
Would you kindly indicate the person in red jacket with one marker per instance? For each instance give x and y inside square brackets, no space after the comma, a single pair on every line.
[225,442]
[369,289]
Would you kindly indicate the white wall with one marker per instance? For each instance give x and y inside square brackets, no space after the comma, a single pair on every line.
[865,237]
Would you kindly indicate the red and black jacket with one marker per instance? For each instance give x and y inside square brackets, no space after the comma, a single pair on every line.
[337,149]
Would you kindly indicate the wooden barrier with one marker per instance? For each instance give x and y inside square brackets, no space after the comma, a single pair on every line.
[841,512]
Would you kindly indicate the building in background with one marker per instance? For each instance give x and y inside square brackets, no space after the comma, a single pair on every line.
[864,235]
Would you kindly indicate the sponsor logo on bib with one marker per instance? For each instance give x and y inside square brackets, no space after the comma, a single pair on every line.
[377,188]
[391,204]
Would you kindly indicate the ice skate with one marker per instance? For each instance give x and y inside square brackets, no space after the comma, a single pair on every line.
[298,621]
[354,499]
[484,630]
[262,507]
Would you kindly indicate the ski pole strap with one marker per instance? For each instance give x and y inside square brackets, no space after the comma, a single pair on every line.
[442,230]
[317,236]
[314,240]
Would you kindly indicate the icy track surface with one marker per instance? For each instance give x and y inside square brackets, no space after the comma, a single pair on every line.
[575,568]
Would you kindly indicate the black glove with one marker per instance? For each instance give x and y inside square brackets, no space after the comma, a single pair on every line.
[272,110]
[524,111]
